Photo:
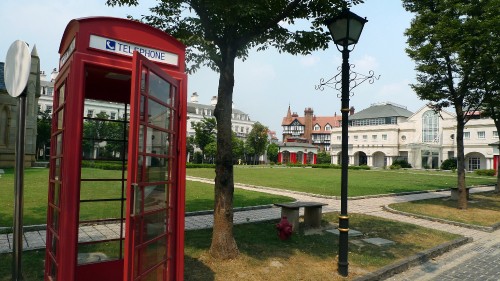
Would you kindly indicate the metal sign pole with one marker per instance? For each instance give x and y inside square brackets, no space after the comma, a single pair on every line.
[19,188]
[16,74]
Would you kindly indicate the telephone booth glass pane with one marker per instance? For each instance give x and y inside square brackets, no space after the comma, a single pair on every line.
[55,186]
[151,209]
[103,180]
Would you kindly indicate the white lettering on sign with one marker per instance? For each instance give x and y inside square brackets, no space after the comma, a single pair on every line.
[123,48]
[67,53]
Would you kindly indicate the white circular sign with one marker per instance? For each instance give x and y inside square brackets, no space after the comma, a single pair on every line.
[17,68]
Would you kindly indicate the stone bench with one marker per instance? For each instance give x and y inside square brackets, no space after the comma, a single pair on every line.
[312,213]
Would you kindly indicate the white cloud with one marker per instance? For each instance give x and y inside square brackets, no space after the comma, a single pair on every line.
[309,60]
[365,64]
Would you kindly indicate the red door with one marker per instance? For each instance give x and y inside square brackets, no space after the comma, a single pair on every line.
[152,173]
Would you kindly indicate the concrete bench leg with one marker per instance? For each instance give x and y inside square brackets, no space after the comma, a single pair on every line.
[312,216]
[292,215]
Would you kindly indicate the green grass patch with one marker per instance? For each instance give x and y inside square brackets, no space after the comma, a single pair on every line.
[306,257]
[199,196]
[483,209]
[303,257]
[361,182]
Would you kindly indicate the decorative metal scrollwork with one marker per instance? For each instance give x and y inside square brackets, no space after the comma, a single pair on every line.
[355,79]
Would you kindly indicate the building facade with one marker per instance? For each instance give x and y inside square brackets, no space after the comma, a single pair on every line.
[241,123]
[310,128]
[386,132]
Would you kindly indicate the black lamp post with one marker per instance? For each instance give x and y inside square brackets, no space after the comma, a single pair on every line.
[345,29]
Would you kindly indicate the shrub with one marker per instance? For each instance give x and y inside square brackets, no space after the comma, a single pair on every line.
[449,164]
[485,172]
[103,165]
[395,167]
[401,163]
[191,165]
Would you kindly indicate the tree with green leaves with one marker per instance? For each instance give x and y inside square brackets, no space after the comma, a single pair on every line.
[324,157]
[272,152]
[217,32]
[258,139]
[238,148]
[43,130]
[488,79]
[204,133]
[444,41]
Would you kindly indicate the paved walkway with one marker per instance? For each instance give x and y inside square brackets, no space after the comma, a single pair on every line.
[479,260]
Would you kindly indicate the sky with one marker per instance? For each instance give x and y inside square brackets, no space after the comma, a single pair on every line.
[267,82]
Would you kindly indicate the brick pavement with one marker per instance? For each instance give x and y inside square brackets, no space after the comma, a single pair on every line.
[479,260]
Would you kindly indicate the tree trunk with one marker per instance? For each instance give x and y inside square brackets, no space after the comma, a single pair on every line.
[462,195]
[497,187]
[223,242]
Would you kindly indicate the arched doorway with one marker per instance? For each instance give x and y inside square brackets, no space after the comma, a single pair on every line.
[379,159]
[286,157]
[475,161]
[360,158]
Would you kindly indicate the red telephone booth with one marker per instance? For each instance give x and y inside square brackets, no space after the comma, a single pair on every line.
[117,180]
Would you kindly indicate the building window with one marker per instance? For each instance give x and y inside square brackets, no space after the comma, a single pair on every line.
[384,137]
[328,128]
[317,127]
[374,137]
[113,115]
[466,135]
[49,108]
[495,134]
[474,163]
[481,135]
[90,113]
[50,91]
[365,137]
[339,138]
[355,137]
[430,123]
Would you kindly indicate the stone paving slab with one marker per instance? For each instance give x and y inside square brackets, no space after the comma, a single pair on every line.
[377,241]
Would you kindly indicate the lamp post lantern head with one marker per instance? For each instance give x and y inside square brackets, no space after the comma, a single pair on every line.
[346,28]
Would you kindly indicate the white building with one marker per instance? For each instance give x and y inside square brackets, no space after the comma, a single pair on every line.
[385,132]
[241,123]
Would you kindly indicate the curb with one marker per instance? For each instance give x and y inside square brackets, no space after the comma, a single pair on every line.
[240,209]
[403,265]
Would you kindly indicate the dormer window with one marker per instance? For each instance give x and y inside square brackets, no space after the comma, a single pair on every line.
[328,127]
[317,127]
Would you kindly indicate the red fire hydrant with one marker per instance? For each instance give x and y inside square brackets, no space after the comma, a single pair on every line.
[284,228]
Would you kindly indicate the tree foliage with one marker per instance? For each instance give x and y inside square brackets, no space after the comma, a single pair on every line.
[218,32]
[444,40]
[43,129]
[204,133]
[257,139]
[272,152]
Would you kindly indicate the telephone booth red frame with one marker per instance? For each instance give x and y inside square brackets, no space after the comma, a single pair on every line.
[126,223]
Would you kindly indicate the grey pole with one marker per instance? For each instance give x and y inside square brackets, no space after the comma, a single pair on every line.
[18,192]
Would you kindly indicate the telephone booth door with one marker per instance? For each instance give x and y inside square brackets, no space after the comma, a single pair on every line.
[152,177]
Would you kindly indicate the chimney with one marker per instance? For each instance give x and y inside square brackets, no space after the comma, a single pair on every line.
[54,74]
[194,97]
[213,101]
[351,110]
[308,116]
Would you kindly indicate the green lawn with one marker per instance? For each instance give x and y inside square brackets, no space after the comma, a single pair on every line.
[302,257]
[483,209]
[361,182]
[199,196]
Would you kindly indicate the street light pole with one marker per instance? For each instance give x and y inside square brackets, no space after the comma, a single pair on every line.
[343,264]
[345,30]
